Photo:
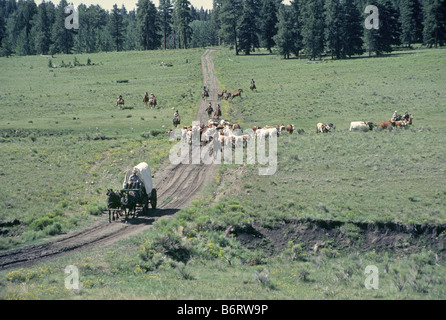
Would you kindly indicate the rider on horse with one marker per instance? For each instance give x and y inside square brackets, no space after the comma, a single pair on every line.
[209,109]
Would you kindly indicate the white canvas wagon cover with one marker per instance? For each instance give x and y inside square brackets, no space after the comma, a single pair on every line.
[144,173]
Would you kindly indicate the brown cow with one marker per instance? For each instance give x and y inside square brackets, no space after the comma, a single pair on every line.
[386,124]
[290,128]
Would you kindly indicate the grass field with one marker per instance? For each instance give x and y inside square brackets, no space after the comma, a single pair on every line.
[64,141]
[394,176]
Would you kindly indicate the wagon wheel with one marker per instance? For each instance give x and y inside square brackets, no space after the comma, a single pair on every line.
[153,199]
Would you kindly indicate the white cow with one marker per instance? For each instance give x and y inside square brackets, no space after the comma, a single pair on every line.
[322,127]
[361,126]
[265,132]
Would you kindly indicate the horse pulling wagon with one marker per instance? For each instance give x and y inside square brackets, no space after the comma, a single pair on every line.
[137,192]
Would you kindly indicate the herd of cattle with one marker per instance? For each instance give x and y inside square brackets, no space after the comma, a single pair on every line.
[229,133]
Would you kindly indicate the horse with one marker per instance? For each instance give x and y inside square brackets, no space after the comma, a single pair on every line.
[176,121]
[113,203]
[400,123]
[205,94]
[226,95]
[129,201]
[238,93]
[209,110]
[221,94]
[217,113]
[152,102]
[120,101]
[252,86]
[145,100]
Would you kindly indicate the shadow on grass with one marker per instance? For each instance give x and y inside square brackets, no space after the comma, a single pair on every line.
[325,58]
[149,218]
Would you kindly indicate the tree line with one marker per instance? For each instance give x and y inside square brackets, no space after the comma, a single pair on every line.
[302,27]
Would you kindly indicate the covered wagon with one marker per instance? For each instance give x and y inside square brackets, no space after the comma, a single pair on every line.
[142,186]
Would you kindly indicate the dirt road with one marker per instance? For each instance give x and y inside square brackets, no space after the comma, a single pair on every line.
[177,185]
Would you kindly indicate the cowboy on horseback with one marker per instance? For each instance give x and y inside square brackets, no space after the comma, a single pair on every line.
[253,84]
[218,111]
[209,109]
[120,100]
[176,119]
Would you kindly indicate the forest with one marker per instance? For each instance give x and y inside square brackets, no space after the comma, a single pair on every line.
[302,28]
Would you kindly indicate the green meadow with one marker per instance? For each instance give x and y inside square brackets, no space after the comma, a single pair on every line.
[64,142]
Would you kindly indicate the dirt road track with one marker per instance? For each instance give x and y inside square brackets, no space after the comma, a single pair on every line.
[177,185]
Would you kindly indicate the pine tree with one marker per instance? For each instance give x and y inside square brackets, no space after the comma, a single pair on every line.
[148,25]
[388,33]
[165,11]
[62,38]
[215,18]
[42,30]
[181,20]
[116,27]
[434,19]
[297,26]
[131,32]
[313,27]
[23,41]
[248,29]
[268,26]
[229,16]
[334,27]
[2,26]
[352,30]
[285,37]
[408,18]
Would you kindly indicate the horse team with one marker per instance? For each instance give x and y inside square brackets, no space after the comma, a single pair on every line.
[118,203]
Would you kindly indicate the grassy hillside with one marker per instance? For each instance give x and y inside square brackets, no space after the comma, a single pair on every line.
[375,176]
[337,203]
[338,91]
[63,140]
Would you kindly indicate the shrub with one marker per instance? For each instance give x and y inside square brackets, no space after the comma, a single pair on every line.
[41,223]
[53,229]
[257,257]
[96,208]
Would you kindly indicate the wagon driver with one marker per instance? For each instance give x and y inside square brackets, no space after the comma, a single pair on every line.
[134,180]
